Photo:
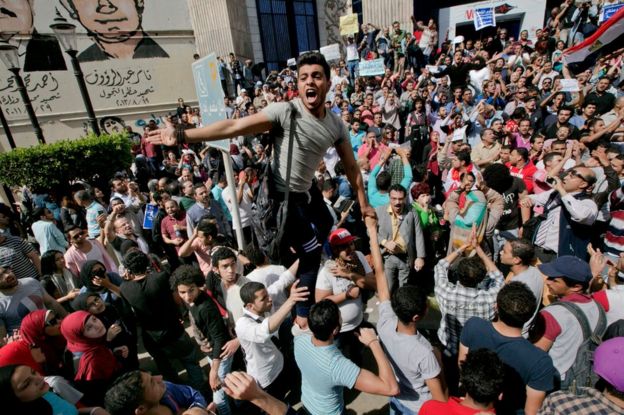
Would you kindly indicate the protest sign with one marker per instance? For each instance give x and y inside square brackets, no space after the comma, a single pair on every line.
[459,134]
[608,11]
[349,24]
[372,67]
[210,94]
[291,62]
[150,213]
[484,17]
[569,85]
[331,52]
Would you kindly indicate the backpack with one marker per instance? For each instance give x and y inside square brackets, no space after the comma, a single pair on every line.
[268,218]
[581,374]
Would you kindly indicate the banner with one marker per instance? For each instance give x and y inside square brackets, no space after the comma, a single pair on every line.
[484,17]
[372,68]
[349,24]
[210,94]
[608,11]
[331,52]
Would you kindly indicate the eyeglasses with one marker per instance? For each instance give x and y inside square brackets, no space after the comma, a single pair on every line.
[578,175]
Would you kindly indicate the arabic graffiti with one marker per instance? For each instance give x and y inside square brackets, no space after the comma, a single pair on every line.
[122,87]
[43,89]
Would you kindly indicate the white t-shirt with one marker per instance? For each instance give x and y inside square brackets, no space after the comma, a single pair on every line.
[351,310]
[244,207]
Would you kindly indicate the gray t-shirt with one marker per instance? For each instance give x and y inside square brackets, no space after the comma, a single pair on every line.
[411,357]
[533,279]
[27,298]
[313,136]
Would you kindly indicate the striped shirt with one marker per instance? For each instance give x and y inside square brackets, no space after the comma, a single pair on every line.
[324,373]
[14,254]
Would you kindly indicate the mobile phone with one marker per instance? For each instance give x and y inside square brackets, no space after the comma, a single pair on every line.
[551,181]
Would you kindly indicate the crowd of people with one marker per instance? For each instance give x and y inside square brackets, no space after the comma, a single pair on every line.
[462,181]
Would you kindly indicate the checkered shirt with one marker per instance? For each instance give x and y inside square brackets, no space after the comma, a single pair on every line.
[458,303]
[588,402]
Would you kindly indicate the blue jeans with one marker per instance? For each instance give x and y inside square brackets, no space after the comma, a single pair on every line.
[397,408]
[352,67]
[219,397]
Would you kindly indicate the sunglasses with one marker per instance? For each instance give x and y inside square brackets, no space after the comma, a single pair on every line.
[52,322]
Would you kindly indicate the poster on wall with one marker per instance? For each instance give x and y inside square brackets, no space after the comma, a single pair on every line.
[349,24]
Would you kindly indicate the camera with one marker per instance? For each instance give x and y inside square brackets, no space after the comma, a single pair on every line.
[551,181]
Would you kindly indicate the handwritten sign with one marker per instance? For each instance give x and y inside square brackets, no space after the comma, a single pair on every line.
[349,24]
[569,85]
[608,11]
[372,67]
[150,213]
[484,17]
[331,52]
[210,94]
[459,134]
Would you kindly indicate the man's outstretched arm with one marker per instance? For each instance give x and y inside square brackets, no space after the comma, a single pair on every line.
[253,124]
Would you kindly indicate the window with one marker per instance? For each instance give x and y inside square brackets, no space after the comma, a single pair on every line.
[286,28]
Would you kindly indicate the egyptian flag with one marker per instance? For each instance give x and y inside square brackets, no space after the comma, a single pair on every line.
[608,37]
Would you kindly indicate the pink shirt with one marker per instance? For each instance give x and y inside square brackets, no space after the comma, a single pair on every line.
[75,258]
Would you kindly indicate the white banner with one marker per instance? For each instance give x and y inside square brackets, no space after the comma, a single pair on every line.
[484,17]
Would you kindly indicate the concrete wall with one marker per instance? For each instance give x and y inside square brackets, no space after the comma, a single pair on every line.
[530,13]
[128,85]
[383,13]
[328,13]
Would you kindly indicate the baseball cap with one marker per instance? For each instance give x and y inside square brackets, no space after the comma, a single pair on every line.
[340,236]
[606,358]
[567,266]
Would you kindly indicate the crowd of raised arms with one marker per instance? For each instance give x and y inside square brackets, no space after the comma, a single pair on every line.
[462,182]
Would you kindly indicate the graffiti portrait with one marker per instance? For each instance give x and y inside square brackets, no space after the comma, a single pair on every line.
[116,28]
[43,52]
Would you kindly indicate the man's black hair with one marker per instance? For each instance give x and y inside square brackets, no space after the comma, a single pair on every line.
[248,291]
[37,213]
[523,249]
[515,303]
[329,184]
[339,169]
[208,228]
[314,58]
[186,275]
[497,177]
[383,181]
[198,186]
[255,255]
[470,271]
[482,376]
[173,188]
[522,152]
[464,156]
[136,261]
[549,156]
[83,196]
[221,254]
[126,394]
[324,319]
[408,301]
[397,188]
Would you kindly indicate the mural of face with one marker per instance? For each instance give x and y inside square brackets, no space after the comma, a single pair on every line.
[16,16]
[111,20]
[112,125]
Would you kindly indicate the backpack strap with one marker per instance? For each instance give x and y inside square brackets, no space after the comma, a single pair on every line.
[575,310]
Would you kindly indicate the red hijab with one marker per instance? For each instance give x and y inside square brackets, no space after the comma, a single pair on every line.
[18,353]
[97,362]
[32,331]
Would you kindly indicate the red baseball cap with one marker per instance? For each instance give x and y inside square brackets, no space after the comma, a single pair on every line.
[340,236]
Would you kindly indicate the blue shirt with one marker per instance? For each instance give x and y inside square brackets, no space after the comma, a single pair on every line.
[356,141]
[375,197]
[182,397]
[216,193]
[59,405]
[324,373]
[93,211]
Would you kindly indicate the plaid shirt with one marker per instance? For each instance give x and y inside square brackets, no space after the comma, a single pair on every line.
[589,402]
[458,303]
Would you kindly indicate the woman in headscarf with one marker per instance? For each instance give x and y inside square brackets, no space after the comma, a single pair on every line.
[94,278]
[97,364]
[25,391]
[123,330]
[41,329]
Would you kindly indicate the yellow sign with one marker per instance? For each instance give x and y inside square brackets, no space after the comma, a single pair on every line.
[349,24]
